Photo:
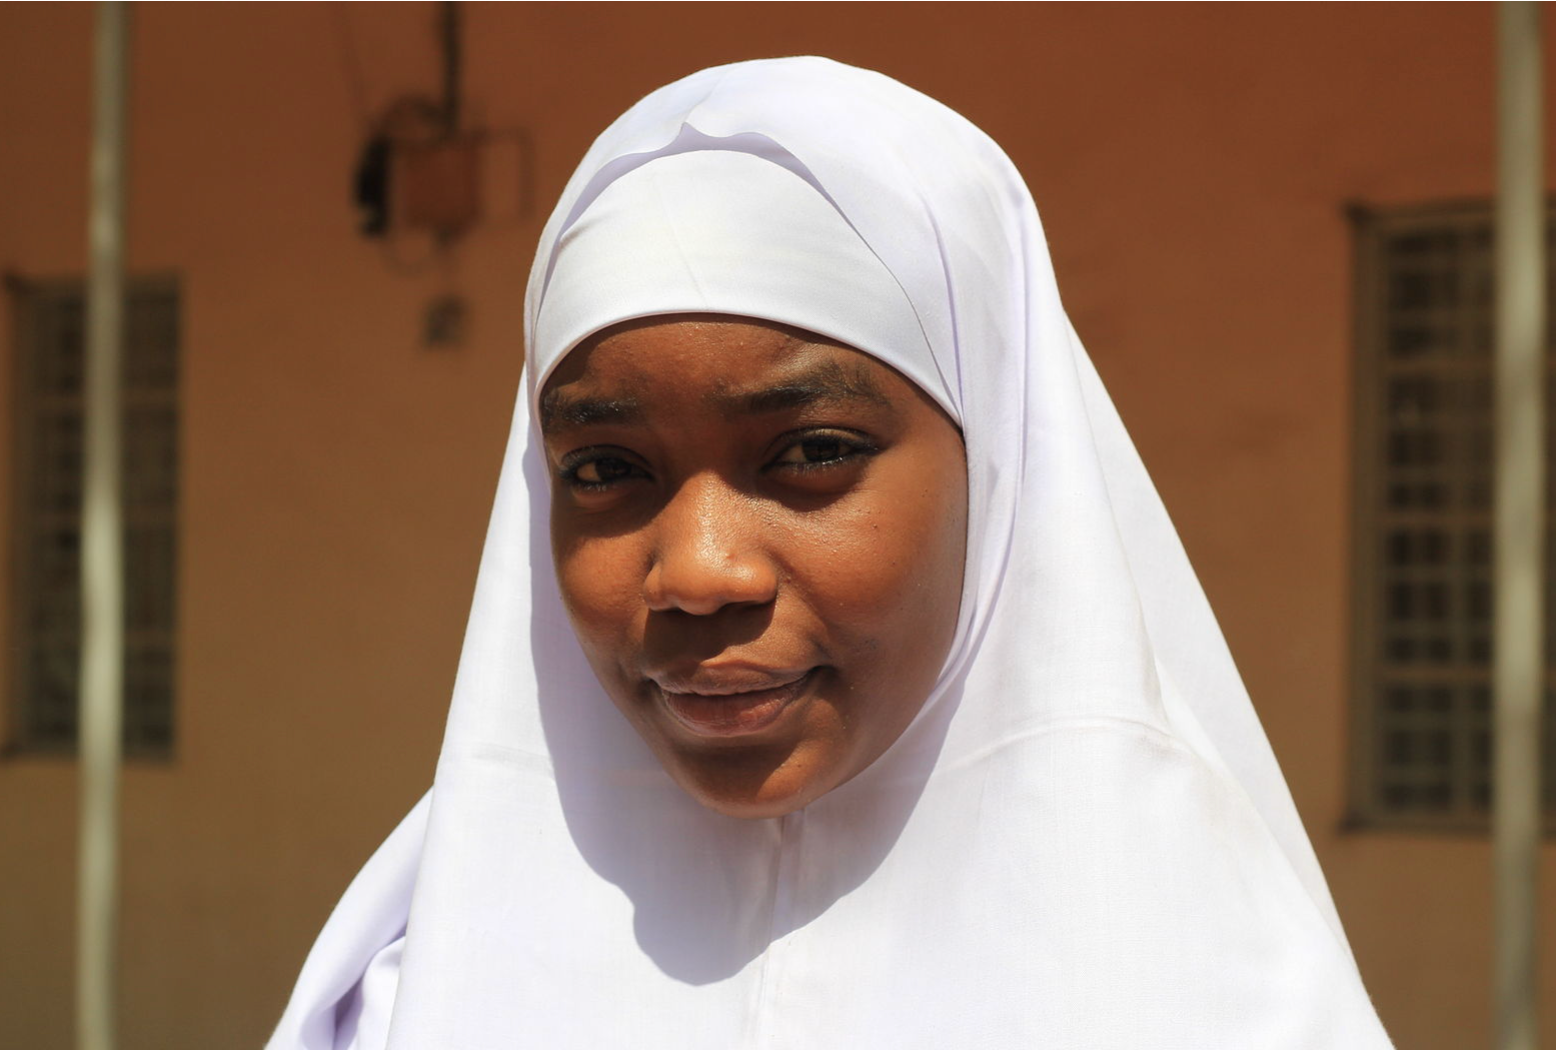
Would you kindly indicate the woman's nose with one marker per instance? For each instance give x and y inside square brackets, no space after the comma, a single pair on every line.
[711,552]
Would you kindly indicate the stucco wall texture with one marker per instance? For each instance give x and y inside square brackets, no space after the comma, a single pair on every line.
[1191,162]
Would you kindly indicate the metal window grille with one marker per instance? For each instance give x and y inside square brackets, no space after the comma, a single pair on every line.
[46,522]
[1422,591]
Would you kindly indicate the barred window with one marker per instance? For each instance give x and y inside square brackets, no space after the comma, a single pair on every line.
[1422,587]
[45,619]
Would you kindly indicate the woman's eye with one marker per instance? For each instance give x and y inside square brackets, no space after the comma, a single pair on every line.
[599,472]
[821,450]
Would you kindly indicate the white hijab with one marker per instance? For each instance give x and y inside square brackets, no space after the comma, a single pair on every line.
[1082,841]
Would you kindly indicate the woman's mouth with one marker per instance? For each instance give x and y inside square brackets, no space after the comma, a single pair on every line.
[735,708]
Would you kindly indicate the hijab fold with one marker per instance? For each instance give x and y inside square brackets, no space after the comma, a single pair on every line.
[1083,840]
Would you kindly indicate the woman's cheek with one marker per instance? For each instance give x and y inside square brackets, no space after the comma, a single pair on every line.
[598,588]
[891,580]
[867,560]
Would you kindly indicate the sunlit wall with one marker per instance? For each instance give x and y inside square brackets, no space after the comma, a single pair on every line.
[1191,162]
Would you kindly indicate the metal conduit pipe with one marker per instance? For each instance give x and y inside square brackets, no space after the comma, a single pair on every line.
[102,547]
[1518,671]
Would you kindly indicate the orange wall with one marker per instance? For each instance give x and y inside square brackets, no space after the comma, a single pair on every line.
[1190,161]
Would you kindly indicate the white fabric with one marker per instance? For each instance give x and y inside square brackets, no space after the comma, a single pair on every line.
[1083,840]
[675,236]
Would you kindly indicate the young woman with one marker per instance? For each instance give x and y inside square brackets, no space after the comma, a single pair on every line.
[835,677]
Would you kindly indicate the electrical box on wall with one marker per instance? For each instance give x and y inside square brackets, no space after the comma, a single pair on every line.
[436,186]
[439,184]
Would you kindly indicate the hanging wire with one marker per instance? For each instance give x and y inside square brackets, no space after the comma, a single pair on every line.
[351,65]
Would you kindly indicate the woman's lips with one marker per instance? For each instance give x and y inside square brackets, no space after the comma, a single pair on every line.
[727,710]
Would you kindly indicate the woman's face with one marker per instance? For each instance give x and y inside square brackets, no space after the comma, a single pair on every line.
[759,537]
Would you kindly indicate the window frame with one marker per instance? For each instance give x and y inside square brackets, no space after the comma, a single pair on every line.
[1371,228]
[31,300]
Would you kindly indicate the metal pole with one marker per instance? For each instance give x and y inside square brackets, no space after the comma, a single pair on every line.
[102,547]
[1518,673]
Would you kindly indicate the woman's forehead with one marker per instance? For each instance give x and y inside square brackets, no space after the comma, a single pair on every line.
[735,366]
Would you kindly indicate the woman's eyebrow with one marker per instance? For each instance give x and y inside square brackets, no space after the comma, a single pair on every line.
[828,382]
[557,409]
